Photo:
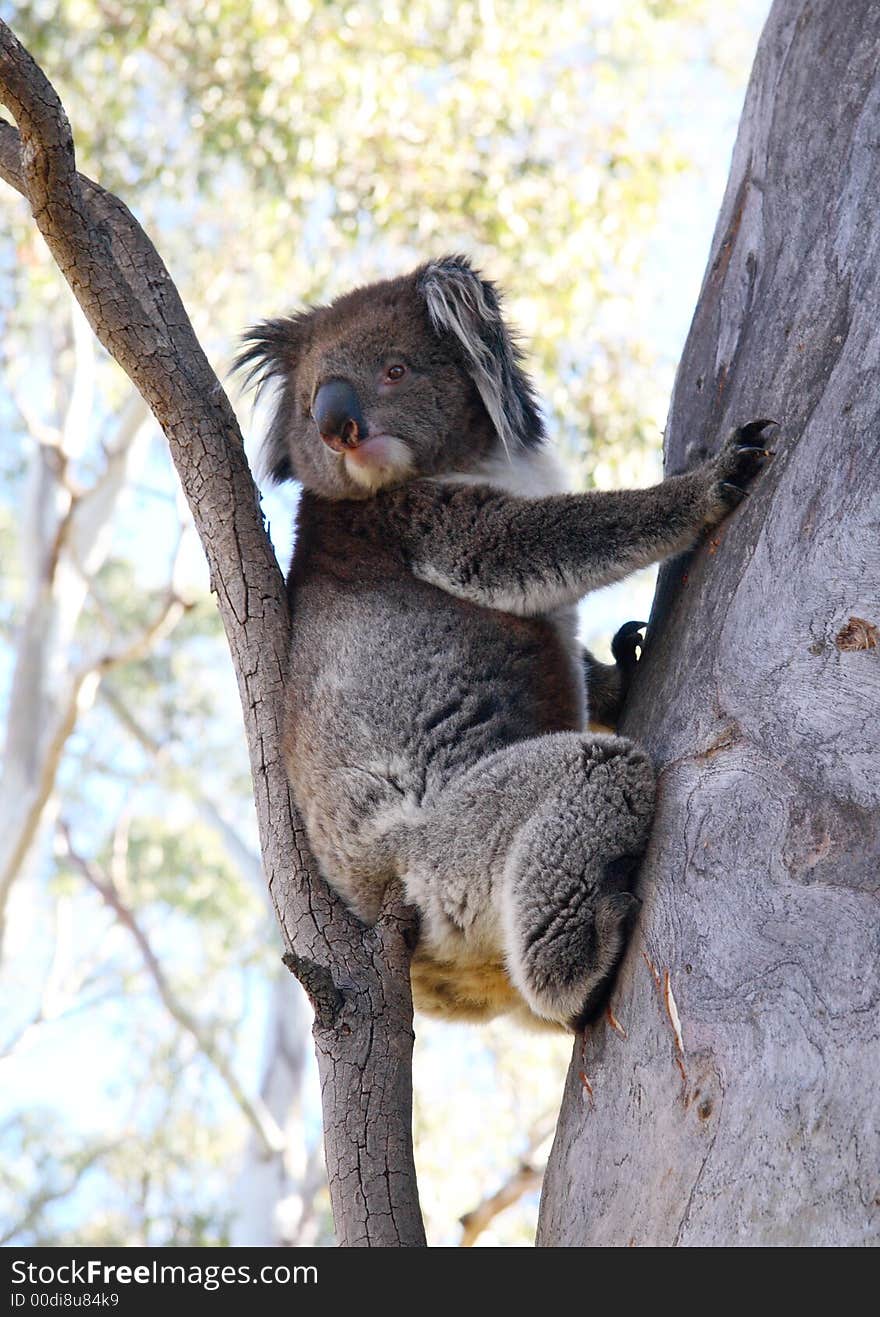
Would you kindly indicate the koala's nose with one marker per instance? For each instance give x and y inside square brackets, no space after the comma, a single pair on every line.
[337,413]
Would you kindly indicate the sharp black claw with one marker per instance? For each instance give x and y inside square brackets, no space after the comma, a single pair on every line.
[755,427]
[753,448]
[740,493]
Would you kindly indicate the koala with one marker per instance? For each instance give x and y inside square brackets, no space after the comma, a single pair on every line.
[437,697]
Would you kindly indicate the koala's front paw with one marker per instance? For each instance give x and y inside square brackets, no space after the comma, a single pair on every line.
[742,457]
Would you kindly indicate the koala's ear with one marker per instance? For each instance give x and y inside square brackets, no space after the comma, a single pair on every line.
[467,306]
[269,354]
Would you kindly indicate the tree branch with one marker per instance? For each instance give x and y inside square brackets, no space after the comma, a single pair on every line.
[130,301]
[80,694]
[253,1109]
[64,546]
[34,1207]
[526,1179]
[181,777]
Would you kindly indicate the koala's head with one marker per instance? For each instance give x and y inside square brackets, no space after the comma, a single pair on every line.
[409,377]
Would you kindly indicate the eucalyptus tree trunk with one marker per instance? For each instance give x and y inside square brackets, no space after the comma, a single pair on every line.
[741,1105]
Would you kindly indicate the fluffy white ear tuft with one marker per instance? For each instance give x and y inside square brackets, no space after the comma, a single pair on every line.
[467,306]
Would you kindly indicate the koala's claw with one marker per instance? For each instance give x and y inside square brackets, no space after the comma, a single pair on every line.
[751,448]
[754,428]
[628,629]
[736,490]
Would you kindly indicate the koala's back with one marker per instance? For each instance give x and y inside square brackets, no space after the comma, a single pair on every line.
[396,687]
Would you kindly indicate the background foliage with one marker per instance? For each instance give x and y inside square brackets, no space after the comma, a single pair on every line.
[278,153]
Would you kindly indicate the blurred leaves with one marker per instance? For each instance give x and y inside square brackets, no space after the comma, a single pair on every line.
[311,145]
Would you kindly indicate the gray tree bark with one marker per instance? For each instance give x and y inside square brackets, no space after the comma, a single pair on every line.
[358,979]
[741,1106]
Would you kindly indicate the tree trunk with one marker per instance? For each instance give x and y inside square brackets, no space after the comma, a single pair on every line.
[741,1106]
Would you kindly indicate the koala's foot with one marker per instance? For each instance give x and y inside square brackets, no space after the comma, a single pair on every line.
[608,683]
[627,646]
[569,902]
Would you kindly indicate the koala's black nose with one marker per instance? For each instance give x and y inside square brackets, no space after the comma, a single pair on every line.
[337,413]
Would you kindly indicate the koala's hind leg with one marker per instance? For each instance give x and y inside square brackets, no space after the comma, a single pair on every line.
[538,845]
[566,901]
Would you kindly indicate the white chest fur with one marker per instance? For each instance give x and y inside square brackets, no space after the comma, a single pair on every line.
[528,473]
[534,473]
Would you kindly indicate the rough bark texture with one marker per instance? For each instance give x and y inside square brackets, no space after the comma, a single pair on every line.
[363,1028]
[741,1106]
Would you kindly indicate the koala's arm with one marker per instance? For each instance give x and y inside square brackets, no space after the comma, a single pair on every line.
[530,556]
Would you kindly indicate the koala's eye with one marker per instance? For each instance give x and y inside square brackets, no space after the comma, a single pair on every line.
[395,373]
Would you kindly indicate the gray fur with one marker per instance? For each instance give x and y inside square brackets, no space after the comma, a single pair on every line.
[436,728]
